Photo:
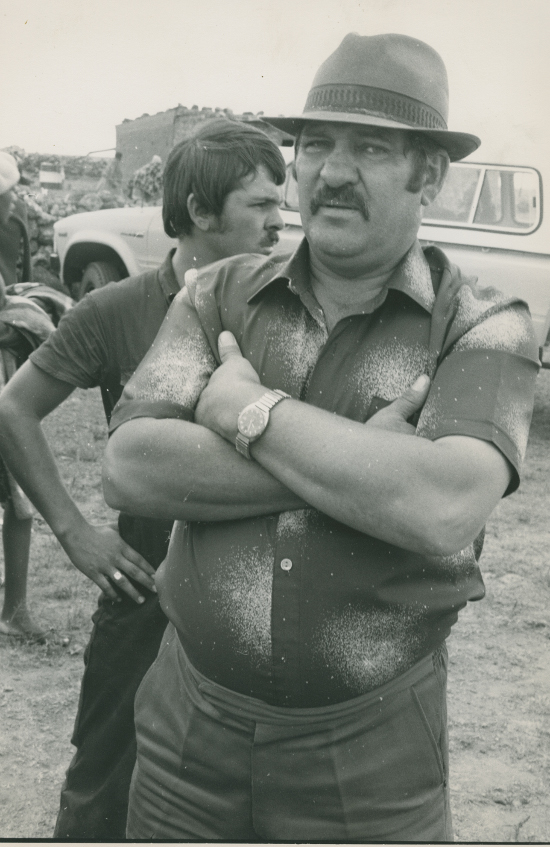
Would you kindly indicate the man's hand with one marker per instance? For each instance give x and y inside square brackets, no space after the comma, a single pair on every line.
[232,386]
[101,554]
[235,384]
[394,417]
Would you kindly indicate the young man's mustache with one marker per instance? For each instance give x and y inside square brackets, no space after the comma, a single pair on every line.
[345,197]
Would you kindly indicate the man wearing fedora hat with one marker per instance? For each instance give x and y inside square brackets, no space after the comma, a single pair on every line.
[379,405]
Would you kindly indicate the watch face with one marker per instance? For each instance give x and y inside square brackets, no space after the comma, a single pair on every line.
[252,422]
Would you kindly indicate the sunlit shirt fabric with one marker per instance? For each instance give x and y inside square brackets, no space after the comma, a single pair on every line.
[296,608]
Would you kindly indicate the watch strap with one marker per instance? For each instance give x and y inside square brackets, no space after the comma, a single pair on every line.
[242,443]
[270,399]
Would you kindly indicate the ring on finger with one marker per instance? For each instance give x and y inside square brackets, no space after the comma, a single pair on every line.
[117,576]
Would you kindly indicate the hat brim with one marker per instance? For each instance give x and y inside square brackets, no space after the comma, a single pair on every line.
[457,144]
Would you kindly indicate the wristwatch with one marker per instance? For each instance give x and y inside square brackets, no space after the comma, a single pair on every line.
[254,418]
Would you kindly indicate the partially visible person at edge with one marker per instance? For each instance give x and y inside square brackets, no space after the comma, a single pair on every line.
[299,694]
[221,197]
[15,254]
[146,183]
[23,327]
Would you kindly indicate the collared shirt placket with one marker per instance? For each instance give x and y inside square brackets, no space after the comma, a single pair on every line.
[291,573]
[285,613]
[287,596]
[288,562]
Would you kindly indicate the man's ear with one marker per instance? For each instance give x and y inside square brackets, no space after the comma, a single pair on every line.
[202,219]
[437,168]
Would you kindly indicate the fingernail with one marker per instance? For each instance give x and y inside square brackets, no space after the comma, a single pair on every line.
[141,599]
[421,382]
[226,338]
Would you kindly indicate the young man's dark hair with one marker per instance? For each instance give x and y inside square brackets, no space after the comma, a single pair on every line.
[211,163]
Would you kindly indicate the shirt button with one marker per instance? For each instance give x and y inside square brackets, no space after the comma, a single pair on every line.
[286,564]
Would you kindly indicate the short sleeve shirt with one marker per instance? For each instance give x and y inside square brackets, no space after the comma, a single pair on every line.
[296,608]
[100,342]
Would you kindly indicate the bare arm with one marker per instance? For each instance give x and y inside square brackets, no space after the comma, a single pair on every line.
[427,497]
[182,471]
[170,468]
[96,551]
[424,496]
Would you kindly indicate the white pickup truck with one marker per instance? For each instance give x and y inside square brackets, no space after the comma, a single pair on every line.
[488,219]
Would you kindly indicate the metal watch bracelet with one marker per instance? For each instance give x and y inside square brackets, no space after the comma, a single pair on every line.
[266,402]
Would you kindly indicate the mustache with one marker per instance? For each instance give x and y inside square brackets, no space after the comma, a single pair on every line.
[346,196]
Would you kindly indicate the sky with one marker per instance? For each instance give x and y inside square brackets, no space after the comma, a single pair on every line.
[74,69]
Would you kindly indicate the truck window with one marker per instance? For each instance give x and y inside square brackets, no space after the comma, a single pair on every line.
[290,200]
[489,208]
[490,197]
[526,189]
[454,201]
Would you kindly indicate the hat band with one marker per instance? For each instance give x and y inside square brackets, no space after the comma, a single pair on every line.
[378,102]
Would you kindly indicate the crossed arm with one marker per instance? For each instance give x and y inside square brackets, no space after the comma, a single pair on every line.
[427,497]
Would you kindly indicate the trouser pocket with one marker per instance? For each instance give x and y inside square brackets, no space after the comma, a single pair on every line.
[430,698]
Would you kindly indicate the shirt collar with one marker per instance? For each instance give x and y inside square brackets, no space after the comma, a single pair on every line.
[412,276]
[294,271]
[167,278]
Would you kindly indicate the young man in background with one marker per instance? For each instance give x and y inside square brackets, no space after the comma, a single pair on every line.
[221,197]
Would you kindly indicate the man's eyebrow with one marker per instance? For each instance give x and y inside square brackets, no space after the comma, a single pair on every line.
[378,133]
[315,130]
[267,196]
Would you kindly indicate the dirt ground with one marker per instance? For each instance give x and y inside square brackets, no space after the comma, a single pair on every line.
[499,686]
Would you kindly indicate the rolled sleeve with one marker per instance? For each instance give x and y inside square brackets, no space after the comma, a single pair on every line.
[484,387]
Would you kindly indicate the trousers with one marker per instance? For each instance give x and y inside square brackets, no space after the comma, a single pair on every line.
[213,764]
[124,643]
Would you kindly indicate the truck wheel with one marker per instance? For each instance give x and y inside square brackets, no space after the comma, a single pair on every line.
[96,275]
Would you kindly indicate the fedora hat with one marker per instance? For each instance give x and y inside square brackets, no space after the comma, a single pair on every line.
[389,80]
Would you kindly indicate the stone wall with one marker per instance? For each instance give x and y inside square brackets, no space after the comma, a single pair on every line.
[140,139]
